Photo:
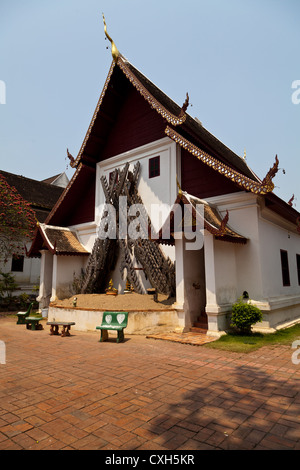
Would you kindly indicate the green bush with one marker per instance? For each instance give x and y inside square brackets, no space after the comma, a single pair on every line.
[24,300]
[244,315]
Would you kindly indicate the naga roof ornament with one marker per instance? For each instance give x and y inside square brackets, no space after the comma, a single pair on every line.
[267,181]
[71,158]
[114,50]
[290,203]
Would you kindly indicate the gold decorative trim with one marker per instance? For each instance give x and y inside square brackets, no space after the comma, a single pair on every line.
[171,118]
[154,103]
[265,187]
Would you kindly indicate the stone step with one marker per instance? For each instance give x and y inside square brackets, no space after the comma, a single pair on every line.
[195,329]
[200,324]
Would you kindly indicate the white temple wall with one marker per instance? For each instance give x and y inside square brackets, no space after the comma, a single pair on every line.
[243,218]
[275,237]
[26,279]
[225,272]
[281,303]
[258,263]
[64,270]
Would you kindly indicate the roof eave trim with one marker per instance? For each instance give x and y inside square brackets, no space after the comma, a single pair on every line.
[243,181]
[42,231]
[154,103]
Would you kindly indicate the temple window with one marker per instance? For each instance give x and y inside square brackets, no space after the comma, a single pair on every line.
[285,268]
[154,167]
[17,264]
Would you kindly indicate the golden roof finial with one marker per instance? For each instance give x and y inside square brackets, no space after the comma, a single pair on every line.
[244,154]
[114,50]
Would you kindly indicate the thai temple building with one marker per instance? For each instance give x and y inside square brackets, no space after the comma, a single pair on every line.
[209,229]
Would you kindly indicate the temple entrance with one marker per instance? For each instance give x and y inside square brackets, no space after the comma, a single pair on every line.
[195,289]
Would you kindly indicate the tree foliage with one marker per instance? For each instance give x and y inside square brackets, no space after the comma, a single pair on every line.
[7,285]
[17,221]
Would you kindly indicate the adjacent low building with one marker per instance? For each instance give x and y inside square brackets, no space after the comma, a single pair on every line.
[42,196]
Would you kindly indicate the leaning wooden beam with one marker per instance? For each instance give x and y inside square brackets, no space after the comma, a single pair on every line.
[159,270]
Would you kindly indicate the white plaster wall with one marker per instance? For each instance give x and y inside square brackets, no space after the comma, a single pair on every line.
[258,263]
[139,322]
[226,273]
[30,273]
[28,277]
[274,238]
[243,211]
[67,267]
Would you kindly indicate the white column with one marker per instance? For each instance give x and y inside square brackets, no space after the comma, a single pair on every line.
[179,271]
[54,279]
[45,279]
[212,309]
[210,275]
[179,305]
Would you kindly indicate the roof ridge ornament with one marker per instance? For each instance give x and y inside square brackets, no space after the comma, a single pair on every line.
[290,203]
[114,50]
[184,106]
[267,181]
[71,158]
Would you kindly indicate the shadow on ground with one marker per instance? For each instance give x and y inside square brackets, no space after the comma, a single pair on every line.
[252,410]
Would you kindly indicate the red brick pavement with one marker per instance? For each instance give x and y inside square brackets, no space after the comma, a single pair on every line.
[78,393]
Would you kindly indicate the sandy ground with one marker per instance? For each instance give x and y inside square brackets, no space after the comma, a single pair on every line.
[130,301]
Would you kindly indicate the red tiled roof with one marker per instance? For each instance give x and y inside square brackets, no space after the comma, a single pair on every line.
[58,240]
[41,196]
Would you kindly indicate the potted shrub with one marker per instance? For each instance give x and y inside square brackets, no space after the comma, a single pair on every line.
[244,315]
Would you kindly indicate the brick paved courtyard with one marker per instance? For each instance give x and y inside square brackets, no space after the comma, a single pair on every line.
[78,393]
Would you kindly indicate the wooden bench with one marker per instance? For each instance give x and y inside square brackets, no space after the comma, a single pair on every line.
[23,315]
[32,323]
[116,321]
[66,326]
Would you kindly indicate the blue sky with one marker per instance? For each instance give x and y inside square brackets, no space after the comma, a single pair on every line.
[237,59]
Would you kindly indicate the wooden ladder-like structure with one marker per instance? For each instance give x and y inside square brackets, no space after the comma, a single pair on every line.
[158,269]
